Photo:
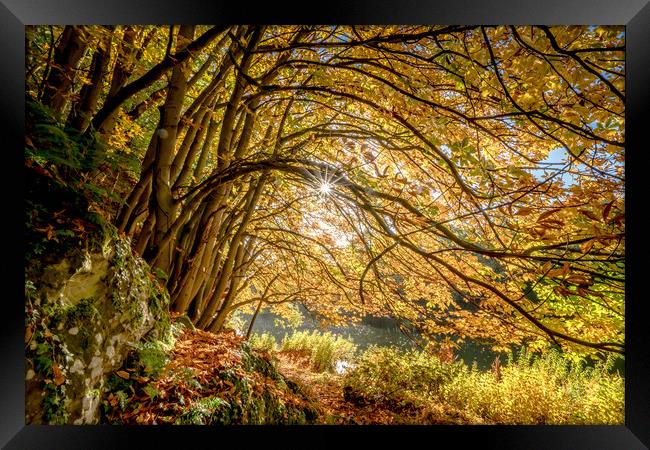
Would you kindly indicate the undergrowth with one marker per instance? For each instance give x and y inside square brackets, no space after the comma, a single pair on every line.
[527,389]
[323,349]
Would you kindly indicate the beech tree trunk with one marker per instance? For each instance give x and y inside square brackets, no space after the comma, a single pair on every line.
[165,207]
[68,53]
[82,112]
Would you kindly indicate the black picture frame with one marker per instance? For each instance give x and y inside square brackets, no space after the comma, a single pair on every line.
[15,14]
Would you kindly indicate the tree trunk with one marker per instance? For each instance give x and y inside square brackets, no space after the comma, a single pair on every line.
[229,264]
[166,208]
[234,279]
[67,55]
[121,73]
[82,112]
[186,154]
[250,325]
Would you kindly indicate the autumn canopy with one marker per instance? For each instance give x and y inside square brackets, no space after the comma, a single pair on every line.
[466,180]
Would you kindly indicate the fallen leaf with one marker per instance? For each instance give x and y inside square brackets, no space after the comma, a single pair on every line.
[58,376]
[112,400]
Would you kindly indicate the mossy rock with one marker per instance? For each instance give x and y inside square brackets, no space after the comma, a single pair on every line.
[93,305]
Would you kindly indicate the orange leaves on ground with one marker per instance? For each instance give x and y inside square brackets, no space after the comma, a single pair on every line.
[123,374]
[204,356]
[58,375]
[112,399]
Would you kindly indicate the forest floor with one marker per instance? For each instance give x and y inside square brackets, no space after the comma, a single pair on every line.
[205,355]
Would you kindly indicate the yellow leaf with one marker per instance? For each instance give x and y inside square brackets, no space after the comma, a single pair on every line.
[547,214]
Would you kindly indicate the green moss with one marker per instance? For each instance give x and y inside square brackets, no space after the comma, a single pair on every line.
[207,411]
[255,363]
[152,357]
[84,311]
[137,313]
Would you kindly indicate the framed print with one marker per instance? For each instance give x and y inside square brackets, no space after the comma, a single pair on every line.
[379,221]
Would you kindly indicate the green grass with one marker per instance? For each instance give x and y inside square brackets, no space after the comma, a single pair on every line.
[263,342]
[323,349]
[547,389]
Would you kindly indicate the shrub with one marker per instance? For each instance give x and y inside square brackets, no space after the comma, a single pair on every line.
[50,144]
[387,373]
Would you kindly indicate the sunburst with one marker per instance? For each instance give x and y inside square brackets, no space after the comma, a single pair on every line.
[326,182]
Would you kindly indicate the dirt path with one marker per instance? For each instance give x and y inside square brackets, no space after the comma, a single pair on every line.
[328,390]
